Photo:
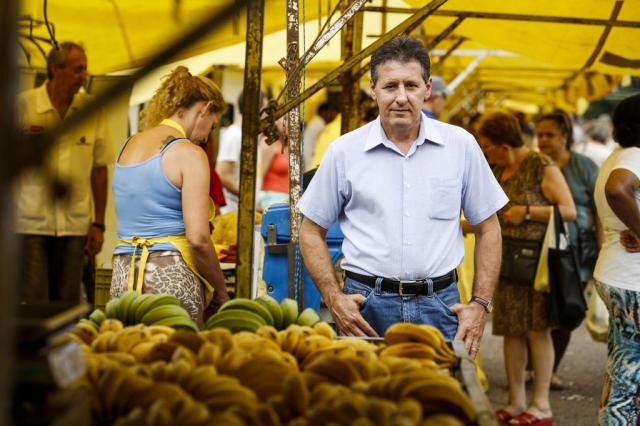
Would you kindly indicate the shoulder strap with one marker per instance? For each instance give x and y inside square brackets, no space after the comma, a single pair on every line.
[171,142]
[123,147]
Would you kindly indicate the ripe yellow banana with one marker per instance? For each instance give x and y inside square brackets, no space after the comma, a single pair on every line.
[296,394]
[111,324]
[87,333]
[209,354]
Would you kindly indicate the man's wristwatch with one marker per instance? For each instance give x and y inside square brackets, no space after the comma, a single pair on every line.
[527,213]
[486,304]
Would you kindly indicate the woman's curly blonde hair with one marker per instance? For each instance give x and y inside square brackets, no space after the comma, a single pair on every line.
[180,89]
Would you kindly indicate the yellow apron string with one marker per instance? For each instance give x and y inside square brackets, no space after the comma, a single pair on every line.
[179,242]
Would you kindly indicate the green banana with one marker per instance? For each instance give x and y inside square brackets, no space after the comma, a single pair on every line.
[289,312]
[274,307]
[123,307]
[133,307]
[178,321]
[236,320]
[164,311]
[308,317]
[97,317]
[251,306]
[154,301]
[111,308]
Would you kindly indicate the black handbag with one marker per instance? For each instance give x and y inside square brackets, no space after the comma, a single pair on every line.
[568,305]
[519,260]
[587,248]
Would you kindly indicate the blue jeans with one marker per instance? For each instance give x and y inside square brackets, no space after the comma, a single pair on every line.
[382,309]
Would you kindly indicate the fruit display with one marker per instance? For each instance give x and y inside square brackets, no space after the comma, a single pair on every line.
[149,374]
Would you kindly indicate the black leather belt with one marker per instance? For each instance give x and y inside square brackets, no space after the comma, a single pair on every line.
[404,288]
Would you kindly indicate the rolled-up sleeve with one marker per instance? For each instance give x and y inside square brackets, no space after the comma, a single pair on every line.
[482,195]
[323,200]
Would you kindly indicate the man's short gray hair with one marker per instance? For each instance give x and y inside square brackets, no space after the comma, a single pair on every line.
[402,49]
[58,56]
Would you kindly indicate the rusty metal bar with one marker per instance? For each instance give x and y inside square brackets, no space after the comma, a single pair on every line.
[34,149]
[405,26]
[324,38]
[8,135]
[350,94]
[249,153]
[511,17]
[448,53]
[446,32]
[296,289]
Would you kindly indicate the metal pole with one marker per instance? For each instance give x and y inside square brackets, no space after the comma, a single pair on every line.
[296,285]
[349,97]
[8,135]
[249,153]
[406,26]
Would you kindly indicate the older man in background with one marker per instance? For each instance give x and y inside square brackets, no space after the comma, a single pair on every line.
[57,227]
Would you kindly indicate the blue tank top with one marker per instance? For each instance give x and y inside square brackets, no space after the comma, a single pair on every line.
[147,204]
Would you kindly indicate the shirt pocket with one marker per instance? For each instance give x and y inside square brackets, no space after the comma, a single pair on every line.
[444,199]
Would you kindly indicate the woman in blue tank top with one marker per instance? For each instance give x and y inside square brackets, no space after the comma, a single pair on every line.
[161,190]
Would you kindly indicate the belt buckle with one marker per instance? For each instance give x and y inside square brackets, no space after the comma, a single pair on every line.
[401,288]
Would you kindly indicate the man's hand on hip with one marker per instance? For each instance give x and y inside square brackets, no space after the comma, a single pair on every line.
[345,310]
[471,320]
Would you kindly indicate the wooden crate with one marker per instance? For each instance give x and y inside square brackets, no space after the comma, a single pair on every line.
[103,286]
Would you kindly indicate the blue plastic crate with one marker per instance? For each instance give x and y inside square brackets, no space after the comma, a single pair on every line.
[275,270]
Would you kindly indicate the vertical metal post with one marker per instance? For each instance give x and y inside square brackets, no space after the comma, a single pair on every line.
[350,95]
[249,153]
[8,135]
[296,289]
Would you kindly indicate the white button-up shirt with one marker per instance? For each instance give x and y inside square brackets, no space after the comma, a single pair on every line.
[400,214]
[70,159]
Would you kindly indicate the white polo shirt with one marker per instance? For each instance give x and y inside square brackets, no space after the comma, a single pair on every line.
[616,266]
[400,214]
[70,159]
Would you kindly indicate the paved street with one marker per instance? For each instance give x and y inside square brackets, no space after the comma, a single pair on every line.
[581,369]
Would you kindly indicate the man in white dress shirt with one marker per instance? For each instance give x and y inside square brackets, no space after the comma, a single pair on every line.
[396,186]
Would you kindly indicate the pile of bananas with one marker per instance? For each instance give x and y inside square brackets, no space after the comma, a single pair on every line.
[157,375]
[149,309]
[249,315]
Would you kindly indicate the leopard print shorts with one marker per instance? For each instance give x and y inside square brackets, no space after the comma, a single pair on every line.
[165,272]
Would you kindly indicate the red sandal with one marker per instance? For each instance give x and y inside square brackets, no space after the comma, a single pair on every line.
[528,419]
[503,416]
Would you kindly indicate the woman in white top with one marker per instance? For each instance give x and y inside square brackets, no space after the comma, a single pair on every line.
[617,273]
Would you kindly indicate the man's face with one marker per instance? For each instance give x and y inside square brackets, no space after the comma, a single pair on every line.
[70,78]
[400,92]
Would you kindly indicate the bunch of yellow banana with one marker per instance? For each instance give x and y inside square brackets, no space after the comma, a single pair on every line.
[421,342]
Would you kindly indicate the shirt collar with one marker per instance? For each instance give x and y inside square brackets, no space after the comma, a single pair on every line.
[428,132]
[43,102]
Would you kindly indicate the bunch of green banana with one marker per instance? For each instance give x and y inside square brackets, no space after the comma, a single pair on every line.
[149,309]
[249,315]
